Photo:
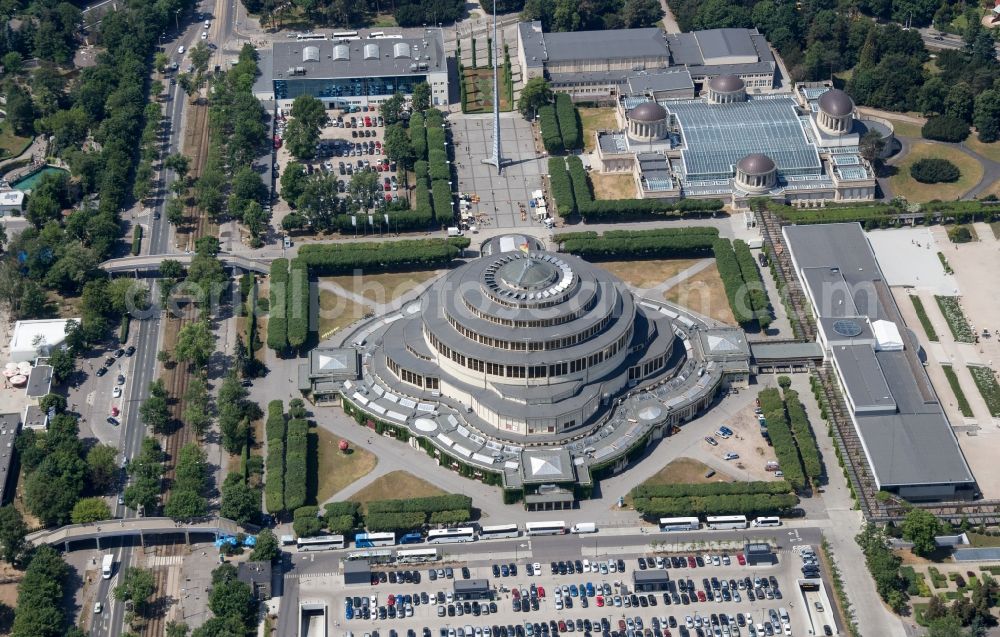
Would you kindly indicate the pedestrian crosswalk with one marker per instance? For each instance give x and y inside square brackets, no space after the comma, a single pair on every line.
[164,560]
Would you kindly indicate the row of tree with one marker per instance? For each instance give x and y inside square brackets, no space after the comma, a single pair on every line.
[679,490]
[780,435]
[672,243]
[571,15]
[191,480]
[420,254]
[805,437]
[737,291]
[756,292]
[399,516]
[749,505]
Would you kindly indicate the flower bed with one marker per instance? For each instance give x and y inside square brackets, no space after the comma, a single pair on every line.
[955,317]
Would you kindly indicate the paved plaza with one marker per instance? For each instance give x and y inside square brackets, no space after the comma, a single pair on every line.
[500,197]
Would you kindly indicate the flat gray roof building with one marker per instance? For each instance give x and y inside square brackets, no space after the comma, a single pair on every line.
[907,439]
[10,424]
[39,381]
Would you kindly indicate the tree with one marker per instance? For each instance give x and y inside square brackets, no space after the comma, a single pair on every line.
[920,526]
[90,510]
[293,181]
[177,629]
[300,140]
[933,170]
[137,586]
[155,411]
[175,211]
[536,93]
[195,344]
[986,116]
[240,502]
[13,63]
[365,189]
[256,219]
[200,55]
[171,269]
[63,364]
[392,108]
[178,163]
[945,128]
[102,467]
[12,533]
[947,626]
[871,145]
[185,505]
[397,145]
[196,406]
[20,110]
[267,549]
[230,597]
[421,99]
[959,102]
[641,13]
[160,61]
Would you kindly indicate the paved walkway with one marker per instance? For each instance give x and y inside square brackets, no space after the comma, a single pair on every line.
[36,148]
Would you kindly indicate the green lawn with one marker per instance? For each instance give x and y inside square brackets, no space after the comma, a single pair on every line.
[925,321]
[971,171]
[11,145]
[963,402]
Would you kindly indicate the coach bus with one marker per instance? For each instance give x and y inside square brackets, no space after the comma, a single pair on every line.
[766,521]
[545,528]
[368,540]
[345,34]
[307,37]
[375,556]
[413,537]
[679,524]
[415,556]
[498,531]
[320,543]
[720,522]
[445,536]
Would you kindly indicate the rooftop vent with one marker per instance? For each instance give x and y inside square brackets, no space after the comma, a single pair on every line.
[310,54]
[371,51]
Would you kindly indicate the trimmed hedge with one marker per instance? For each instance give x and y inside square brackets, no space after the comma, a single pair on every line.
[934,170]
[447,518]
[945,128]
[306,521]
[755,284]
[137,240]
[781,438]
[732,279]
[418,135]
[562,187]
[569,122]
[277,325]
[805,438]
[397,521]
[274,482]
[297,314]
[274,427]
[444,205]
[549,127]
[427,505]
[714,488]
[420,168]
[746,504]
[296,465]
[344,258]
[652,244]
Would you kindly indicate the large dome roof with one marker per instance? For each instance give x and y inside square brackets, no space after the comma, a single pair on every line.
[837,103]
[726,83]
[648,112]
[755,164]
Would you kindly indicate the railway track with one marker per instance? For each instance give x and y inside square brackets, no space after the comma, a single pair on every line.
[178,378]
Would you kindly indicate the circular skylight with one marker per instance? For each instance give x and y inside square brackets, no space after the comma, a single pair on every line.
[847,327]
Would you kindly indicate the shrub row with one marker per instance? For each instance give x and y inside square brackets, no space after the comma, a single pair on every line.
[655,246]
[549,127]
[430,504]
[398,521]
[562,187]
[274,427]
[343,517]
[444,207]
[137,240]
[297,296]
[746,504]
[759,302]
[732,279]
[781,438]
[447,518]
[296,467]
[341,258]
[274,484]
[619,209]
[569,122]
[306,521]
[277,325]
[714,488]
[418,136]
[805,438]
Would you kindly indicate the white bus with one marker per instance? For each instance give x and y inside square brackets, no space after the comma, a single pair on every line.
[345,34]
[306,37]
[376,556]
[376,34]
[413,556]
[766,521]
[107,565]
[444,536]
[368,540]
[545,528]
[726,522]
[320,543]
[499,530]
[679,524]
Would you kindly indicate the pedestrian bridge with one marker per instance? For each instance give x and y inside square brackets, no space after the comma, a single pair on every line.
[149,263]
[153,530]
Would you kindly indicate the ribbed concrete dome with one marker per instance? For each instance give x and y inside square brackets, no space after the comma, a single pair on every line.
[726,83]
[836,103]
[755,164]
[648,112]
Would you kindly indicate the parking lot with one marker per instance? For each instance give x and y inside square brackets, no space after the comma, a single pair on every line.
[715,595]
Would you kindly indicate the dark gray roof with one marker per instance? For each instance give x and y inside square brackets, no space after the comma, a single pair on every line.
[914,443]
[474,585]
[39,381]
[652,576]
[765,352]
[361,58]
[836,102]
[756,164]
[10,424]
[642,82]
[648,112]
[707,53]
[604,45]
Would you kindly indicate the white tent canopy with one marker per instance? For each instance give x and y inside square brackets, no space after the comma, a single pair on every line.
[887,336]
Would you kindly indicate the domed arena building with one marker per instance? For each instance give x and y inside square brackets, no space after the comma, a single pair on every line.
[529,367]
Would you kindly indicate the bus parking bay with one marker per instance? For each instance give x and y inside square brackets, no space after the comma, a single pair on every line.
[786,573]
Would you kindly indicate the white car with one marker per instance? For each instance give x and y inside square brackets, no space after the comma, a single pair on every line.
[116,392]
[731,455]
[204,35]
[207,24]
[537,568]
[98,607]
[180,50]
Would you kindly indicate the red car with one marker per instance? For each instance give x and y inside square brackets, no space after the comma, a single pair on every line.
[516,594]
[701,596]
[621,625]
[391,601]
[541,592]
[114,410]
[742,560]
[600,600]
[691,562]
[388,197]
[562,626]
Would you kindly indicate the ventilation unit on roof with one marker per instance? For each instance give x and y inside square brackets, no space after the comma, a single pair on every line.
[310,54]
[371,51]
[342,52]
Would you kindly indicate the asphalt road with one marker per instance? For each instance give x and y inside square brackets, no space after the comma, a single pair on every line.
[934,39]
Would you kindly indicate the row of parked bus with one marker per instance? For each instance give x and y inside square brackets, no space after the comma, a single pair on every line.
[716,523]
[441,536]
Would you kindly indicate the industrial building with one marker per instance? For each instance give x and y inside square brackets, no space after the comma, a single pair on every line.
[800,149]
[650,581]
[591,65]
[354,71]
[909,445]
